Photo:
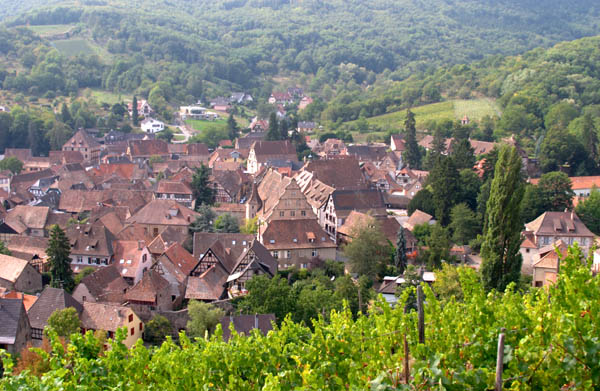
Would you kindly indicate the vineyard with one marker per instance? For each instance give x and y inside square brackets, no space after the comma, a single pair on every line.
[551,343]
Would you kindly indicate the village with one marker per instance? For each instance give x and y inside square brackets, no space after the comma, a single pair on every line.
[128,205]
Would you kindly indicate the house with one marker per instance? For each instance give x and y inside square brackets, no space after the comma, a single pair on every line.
[332,147]
[546,263]
[229,186]
[367,153]
[261,152]
[176,191]
[418,217]
[30,248]
[151,125]
[225,263]
[304,102]
[18,275]
[23,154]
[296,242]
[581,185]
[91,246]
[28,300]
[160,214]
[220,104]
[334,211]
[85,144]
[132,259]
[479,147]
[28,220]
[151,293]
[5,177]
[258,126]
[192,112]
[105,285]
[295,92]
[245,324]
[15,331]
[142,150]
[143,108]
[240,98]
[49,301]
[280,98]
[110,318]
[397,143]
[551,227]
[175,265]
[306,127]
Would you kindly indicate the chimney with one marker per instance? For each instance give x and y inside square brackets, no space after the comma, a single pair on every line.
[572,215]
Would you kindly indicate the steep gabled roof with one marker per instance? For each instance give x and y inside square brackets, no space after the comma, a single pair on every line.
[147,148]
[148,288]
[106,284]
[209,286]
[82,139]
[11,267]
[11,311]
[107,317]
[559,223]
[49,301]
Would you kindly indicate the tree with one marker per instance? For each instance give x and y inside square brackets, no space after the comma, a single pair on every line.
[65,115]
[556,191]
[203,318]
[463,154]
[64,322]
[447,284]
[204,222]
[58,252]
[232,127]
[3,249]
[157,330]
[464,224]
[273,131]
[134,112]
[422,201]
[250,226]
[202,189]
[226,223]
[412,153]
[368,252]
[400,260]
[470,187]
[590,138]
[268,296]
[12,164]
[589,211]
[83,274]
[444,180]
[166,135]
[439,245]
[501,263]
[560,148]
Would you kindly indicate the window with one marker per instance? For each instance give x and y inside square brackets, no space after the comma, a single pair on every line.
[293,213]
[144,257]
[303,265]
[288,254]
[140,326]
[79,259]
[233,242]
[275,254]
[272,241]
[315,252]
[83,298]
[281,214]
[303,213]
[132,330]
[130,318]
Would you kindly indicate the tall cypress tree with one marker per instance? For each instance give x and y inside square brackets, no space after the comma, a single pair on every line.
[58,252]
[412,153]
[444,180]
[273,132]
[502,232]
[134,111]
[400,260]
[232,127]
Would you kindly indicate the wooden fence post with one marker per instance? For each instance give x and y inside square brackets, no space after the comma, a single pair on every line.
[500,362]
[406,365]
[421,313]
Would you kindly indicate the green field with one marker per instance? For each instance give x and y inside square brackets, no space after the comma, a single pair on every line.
[475,109]
[178,137]
[51,29]
[73,47]
[200,125]
[102,96]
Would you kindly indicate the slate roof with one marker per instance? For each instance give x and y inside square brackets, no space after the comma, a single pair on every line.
[106,284]
[361,200]
[147,148]
[290,234]
[164,212]
[90,239]
[24,217]
[559,223]
[342,174]
[372,153]
[146,290]
[11,311]
[11,267]
[267,150]
[50,300]
[209,286]
[244,324]
[107,317]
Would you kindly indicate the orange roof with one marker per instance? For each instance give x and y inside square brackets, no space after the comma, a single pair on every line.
[28,300]
[578,182]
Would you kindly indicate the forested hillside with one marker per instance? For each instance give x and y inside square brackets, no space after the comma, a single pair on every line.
[239,40]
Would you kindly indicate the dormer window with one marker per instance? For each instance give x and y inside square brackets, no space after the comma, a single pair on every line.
[233,242]
[295,240]
[272,241]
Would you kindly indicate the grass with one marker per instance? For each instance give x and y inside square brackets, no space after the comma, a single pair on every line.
[51,29]
[200,125]
[178,137]
[73,47]
[102,96]
[475,109]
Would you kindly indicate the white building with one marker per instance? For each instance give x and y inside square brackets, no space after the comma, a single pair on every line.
[151,125]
